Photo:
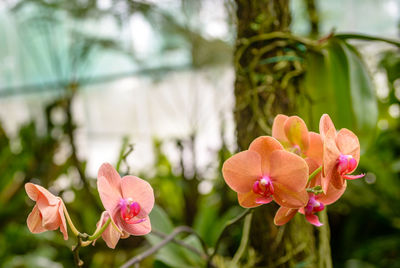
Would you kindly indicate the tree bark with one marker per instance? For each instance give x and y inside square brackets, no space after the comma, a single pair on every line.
[267,84]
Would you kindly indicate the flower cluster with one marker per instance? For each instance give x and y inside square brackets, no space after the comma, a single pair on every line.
[302,171]
[127,201]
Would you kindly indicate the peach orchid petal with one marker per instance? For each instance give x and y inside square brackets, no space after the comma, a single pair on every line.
[50,216]
[109,195]
[140,191]
[296,132]
[325,124]
[335,179]
[283,215]
[313,219]
[249,200]
[331,152]
[141,228]
[348,144]
[35,192]
[34,221]
[110,235]
[285,197]
[289,170]
[264,146]
[114,179]
[316,147]
[278,131]
[241,170]
[332,194]
[63,225]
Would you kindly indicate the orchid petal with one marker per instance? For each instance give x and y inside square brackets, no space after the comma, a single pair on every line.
[316,147]
[249,199]
[142,228]
[35,192]
[285,197]
[313,219]
[278,131]
[113,178]
[353,177]
[50,215]
[283,215]
[325,124]
[289,169]
[109,195]
[348,144]
[336,180]
[241,170]
[264,146]
[331,195]
[63,223]
[34,221]
[297,133]
[140,191]
[331,152]
[110,235]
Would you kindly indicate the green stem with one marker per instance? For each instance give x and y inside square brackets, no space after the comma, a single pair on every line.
[312,175]
[70,223]
[367,38]
[245,239]
[99,232]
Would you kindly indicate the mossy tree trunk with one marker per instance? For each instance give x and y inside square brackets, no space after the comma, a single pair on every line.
[268,72]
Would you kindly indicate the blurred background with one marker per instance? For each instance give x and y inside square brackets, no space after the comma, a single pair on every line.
[149,87]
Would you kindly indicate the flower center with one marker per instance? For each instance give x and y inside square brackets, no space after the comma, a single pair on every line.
[313,206]
[296,149]
[346,164]
[263,187]
[129,210]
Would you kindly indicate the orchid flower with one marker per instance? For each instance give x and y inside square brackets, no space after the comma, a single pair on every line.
[341,154]
[266,172]
[293,133]
[48,213]
[127,201]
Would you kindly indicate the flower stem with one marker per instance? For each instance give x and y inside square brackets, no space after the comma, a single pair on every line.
[70,223]
[312,175]
[99,232]
[244,241]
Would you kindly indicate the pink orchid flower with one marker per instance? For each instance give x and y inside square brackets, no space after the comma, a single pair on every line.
[341,154]
[266,172]
[293,133]
[48,213]
[315,202]
[127,201]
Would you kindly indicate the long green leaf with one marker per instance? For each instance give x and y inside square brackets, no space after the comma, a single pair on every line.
[338,83]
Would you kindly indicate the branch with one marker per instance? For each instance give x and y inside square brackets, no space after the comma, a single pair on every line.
[181,243]
[167,239]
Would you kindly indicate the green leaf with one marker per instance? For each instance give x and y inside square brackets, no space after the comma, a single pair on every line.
[337,82]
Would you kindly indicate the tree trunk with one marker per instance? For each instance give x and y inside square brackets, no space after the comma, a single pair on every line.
[267,83]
